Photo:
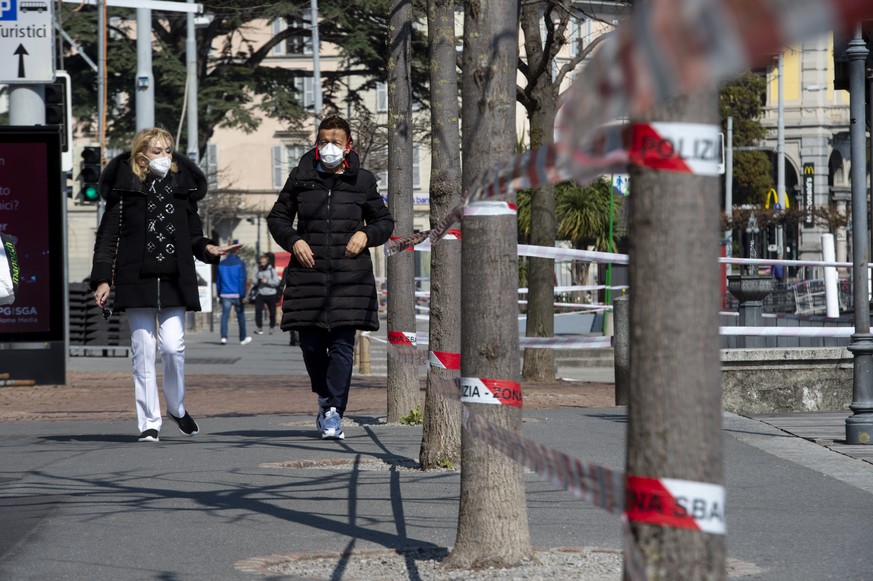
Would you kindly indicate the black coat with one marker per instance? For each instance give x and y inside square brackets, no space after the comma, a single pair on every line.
[122,234]
[338,291]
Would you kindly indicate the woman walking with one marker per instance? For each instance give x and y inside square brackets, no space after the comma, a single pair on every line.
[145,249]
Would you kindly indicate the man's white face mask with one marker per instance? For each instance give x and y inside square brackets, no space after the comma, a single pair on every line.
[330,155]
[160,166]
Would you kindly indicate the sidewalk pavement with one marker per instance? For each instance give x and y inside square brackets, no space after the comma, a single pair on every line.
[83,500]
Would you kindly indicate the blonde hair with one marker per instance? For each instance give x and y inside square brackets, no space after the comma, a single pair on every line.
[142,141]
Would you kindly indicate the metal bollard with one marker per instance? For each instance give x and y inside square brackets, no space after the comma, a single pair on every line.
[621,346]
[364,357]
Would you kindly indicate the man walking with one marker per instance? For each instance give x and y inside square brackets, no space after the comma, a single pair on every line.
[328,215]
[231,286]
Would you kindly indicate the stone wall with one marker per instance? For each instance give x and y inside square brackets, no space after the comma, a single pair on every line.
[765,381]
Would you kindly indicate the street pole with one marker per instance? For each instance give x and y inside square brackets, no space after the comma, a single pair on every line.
[608,294]
[729,190]
[316,63]
[780,152]
[859,426]
[101,93]
[191,66]
[145,82]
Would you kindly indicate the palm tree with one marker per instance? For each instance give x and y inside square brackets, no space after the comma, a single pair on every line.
[583,217]
[583,214]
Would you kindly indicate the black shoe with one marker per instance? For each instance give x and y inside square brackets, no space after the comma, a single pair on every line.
[149,436]
[186,424]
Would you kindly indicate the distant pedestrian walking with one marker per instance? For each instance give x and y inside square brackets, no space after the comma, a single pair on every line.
[330,290]
[231,285]
[266,289]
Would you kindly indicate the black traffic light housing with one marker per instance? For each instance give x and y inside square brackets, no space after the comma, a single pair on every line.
[89,174]
[58,109]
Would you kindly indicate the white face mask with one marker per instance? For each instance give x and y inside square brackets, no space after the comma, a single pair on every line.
[330,155]
[160,166]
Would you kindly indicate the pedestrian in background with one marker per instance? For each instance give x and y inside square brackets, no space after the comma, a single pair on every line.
[231,284]
[145,248]
[330,290]
[266,287]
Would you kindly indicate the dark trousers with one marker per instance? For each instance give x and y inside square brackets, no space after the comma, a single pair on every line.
[270,302]
[328,358]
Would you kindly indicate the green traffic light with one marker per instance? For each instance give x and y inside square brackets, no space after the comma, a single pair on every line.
[90,193]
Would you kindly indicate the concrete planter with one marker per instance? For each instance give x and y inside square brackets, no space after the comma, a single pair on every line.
[798,379]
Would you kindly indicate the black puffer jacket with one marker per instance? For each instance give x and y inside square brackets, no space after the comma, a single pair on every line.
[123,230]
[338,291]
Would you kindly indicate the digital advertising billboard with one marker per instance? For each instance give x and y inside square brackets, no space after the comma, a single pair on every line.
[31,216]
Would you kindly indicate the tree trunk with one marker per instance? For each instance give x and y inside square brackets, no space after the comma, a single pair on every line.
[674,411]
[403,384]
[441,433]
[492,519]
[539,364]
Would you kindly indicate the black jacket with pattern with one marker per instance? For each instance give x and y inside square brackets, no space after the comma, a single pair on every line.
[338,291]
[121,238]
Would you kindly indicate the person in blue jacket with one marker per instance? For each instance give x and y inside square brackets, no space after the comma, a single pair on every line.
[231,287]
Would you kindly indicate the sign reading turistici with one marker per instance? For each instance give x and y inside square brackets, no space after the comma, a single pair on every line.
[26,41]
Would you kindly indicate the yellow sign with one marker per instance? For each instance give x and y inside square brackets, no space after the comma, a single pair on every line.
[772,193]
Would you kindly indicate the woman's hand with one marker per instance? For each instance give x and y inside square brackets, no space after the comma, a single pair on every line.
[356,244]
[101,294]
[303,253]
[213,250]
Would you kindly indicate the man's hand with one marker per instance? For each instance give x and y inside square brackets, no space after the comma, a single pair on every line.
[356,244]
[303,254]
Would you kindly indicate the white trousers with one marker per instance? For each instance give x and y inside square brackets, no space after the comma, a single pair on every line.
[150,329]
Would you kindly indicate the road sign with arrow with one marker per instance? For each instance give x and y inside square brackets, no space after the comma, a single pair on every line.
[26,41]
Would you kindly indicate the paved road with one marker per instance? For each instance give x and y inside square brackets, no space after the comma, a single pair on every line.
[80,500]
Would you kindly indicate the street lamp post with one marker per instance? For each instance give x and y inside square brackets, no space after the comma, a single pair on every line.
[859,426]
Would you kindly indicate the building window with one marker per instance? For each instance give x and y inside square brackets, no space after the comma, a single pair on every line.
[212,166]
[381,97]
[278,167]
[304,87]
[298,44]
[575,35]
[278,26]
[285,158]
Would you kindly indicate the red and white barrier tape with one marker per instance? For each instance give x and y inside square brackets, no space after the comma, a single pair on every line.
[402,338]
[444,360]
[693,148]
[585,307]
[426,246]
[571,254]
[490,208]
[491,391]
[565,342]
[676,503]
[787,331]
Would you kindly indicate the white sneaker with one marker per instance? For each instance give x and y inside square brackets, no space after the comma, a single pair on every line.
[332,426]
[224,340]
[246,341]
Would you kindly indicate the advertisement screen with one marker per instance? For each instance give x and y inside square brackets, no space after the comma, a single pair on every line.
[31,213]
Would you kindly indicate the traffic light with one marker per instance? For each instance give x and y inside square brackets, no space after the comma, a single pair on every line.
[89,174]
[58,109]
